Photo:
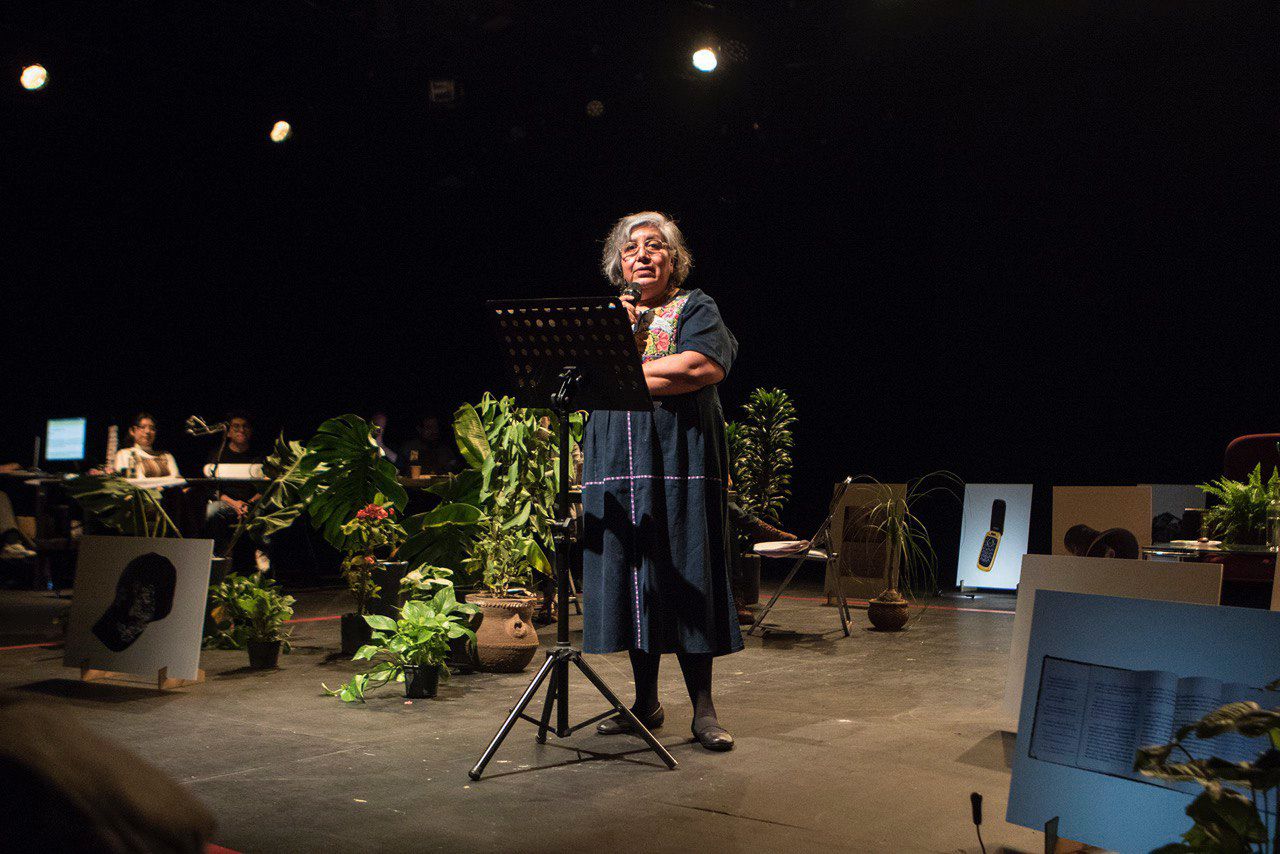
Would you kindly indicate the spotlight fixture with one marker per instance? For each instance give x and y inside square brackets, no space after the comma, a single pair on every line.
[281,131]
[34,77]
[705,60]
[595,109]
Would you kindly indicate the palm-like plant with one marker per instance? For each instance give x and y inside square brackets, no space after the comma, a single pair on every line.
[910,560]
[760,453]
[1240,516]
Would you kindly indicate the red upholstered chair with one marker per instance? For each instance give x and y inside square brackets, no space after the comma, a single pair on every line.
[1245,452]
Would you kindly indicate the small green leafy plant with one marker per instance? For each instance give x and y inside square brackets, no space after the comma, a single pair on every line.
[420,638]
[248,608]
[503,555]
[1240,516]
[1226,813]
[425,582]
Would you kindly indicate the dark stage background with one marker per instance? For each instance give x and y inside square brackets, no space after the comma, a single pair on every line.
[1022,242]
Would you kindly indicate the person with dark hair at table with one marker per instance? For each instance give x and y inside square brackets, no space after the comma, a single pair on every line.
[231,501]
[428,450]
[142,459]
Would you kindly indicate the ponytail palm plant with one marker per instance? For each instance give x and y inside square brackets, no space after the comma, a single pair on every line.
[910,560]
[760,453]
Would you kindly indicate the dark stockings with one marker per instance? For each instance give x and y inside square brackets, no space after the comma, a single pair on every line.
[696,668]
[644,666]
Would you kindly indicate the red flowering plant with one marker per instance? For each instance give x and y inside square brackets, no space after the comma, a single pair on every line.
[374,533]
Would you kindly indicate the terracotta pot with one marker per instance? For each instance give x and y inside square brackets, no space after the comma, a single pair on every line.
[888,616]
[506,641]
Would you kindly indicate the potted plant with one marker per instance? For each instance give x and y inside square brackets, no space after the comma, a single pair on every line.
[424,583]
[222,628]
[371,537]
[910,560]
[1225,815]
[251,612]
[760,467]
[509,450]
[505,558]
[412,648]
[1240,516]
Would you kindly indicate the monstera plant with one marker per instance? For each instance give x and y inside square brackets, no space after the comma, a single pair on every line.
[283,499]
[348,472]
[123,507]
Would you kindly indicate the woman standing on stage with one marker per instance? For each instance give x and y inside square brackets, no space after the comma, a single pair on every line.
[657,540]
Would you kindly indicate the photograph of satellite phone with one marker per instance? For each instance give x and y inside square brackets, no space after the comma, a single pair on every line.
[991,542]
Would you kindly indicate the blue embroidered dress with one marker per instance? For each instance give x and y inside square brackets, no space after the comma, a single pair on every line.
[655,507]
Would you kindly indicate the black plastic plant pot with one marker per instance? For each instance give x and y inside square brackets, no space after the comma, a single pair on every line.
[264,655]
[421,680]
[355,633]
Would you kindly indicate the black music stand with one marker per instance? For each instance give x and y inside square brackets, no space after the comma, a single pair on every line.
[568,354]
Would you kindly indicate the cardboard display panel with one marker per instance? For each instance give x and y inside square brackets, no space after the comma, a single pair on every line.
[1096,666]
[138,605]
[1101,508]
[859,564]
[1195,583]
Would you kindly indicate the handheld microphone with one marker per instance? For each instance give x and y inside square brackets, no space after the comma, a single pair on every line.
[630,290]
[975,802]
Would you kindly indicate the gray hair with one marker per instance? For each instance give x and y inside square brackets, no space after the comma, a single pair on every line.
[611,260]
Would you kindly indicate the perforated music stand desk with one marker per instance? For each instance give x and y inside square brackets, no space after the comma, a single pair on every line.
[566,355]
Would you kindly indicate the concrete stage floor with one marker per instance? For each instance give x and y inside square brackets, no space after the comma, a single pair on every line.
[867,743]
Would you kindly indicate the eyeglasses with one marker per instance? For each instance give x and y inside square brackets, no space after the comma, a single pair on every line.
[652,246]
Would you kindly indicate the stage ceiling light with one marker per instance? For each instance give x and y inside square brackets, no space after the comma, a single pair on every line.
[34,77]
[704,59]
[595,109]
[281,131]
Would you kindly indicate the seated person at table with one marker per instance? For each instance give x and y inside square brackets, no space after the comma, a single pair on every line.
[13,543]
[379,424]
[427,450]
[141,459]
[233,500]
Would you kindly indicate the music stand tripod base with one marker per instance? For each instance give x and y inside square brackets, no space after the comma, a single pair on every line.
[567,355]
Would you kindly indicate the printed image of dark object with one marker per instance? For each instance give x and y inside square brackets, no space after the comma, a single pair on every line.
[144,594]
[1083,541]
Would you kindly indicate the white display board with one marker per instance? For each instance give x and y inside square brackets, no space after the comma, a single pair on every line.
[138,605]
[974,525]
[1195,583]
[1207,652]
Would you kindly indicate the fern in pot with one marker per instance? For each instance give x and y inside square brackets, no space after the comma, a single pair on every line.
[1240,515]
